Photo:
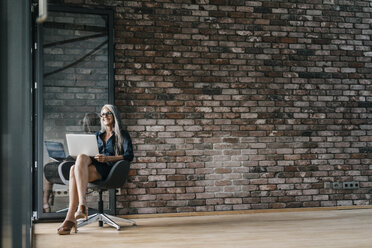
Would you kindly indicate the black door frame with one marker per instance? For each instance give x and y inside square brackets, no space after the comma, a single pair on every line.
[38,104]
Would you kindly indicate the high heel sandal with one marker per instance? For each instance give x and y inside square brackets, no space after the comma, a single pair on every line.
[82,213]
[50,202]
[67,227]
[46,208]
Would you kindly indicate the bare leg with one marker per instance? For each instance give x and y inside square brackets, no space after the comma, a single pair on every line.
[84,172]
[73,196]
[46,194]
[80,174]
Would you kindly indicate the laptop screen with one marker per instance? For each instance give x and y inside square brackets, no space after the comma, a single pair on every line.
[82,144]
[55,149]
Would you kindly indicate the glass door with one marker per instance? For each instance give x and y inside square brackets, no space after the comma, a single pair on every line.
[75,79]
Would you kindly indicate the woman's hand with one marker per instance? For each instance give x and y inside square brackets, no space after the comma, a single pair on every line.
[100,158]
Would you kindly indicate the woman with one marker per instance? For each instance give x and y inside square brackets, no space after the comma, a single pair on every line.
[113,144]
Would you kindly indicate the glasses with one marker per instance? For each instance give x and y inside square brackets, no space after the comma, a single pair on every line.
[107,114]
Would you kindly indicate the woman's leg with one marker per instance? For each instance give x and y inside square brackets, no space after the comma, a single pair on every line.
[47,194]
[73,196]
[70,222]
[73,188]
[80,174]
[84,172]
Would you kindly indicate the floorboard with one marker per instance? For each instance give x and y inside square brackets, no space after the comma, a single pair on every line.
[326,229]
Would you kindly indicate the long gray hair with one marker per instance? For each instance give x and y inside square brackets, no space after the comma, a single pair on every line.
[91,122]
[117,128]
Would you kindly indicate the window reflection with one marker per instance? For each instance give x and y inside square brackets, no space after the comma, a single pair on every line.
[75,86]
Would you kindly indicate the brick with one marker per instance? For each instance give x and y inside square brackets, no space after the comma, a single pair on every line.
[221,116]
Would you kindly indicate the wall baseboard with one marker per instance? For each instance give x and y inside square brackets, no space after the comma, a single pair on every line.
[253,211]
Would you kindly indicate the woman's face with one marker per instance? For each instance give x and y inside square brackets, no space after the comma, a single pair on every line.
[107,117]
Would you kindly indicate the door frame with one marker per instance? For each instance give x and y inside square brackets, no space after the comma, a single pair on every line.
[38,103]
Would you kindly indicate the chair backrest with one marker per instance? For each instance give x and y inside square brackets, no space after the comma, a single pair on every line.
[115,179]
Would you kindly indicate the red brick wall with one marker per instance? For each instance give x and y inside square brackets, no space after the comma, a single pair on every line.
[244,104]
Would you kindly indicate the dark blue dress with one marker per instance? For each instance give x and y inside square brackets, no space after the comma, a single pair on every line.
[108,150]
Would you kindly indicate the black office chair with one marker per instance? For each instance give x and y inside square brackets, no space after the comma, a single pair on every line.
[116,178]
[51,173]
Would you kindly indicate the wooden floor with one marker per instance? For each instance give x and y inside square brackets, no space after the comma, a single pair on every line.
[328,228]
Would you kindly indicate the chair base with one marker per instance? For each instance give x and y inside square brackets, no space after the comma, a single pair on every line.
[104,219]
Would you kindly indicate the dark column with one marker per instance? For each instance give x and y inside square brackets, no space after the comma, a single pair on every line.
[16,135]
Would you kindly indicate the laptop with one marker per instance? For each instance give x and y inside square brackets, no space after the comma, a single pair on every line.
[82,144]
[55,150]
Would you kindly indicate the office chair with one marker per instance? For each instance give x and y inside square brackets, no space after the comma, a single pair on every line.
[116,178]
[51,173]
